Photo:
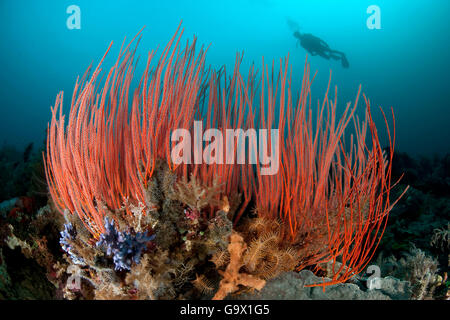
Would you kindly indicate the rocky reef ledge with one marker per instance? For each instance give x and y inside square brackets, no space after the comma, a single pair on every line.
[291,286]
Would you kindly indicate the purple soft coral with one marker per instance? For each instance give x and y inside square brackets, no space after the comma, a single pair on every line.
[125,247]
[67,235]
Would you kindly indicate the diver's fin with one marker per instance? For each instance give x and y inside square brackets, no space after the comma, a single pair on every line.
[344,61]
[335,56]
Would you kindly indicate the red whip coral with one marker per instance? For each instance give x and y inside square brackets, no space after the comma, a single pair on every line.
[332,196]
[106,156]
[108,151]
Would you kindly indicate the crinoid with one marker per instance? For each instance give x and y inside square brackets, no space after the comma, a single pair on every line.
[202,284]
[441,238]
[268,254]
[220,258]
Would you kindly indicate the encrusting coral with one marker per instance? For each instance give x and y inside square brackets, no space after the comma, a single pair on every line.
[140,226]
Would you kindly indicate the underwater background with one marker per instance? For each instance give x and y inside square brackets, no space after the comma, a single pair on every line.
[405,64]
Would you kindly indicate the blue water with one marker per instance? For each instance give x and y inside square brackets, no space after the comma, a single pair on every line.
[405,64]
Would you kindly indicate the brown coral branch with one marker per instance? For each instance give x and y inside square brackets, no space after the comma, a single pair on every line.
[232,278]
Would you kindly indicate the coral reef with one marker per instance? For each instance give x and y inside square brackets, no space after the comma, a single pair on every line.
[22,175]
[420,218]
[125,221]
[130,261]
[429,175]
[30,259]
[162,274]
[333,201]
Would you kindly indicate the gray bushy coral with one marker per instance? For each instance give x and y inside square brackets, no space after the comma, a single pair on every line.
[417,268]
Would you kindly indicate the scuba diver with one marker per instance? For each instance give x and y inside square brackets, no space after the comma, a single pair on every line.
[316,46]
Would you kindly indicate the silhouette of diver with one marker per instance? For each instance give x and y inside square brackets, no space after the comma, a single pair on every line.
[316,46]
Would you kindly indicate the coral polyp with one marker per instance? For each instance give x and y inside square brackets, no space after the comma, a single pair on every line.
[145,227]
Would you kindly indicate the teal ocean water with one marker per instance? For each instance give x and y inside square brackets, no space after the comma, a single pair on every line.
[404,64]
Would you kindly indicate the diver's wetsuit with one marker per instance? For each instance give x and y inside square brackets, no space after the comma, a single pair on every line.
[316,46]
